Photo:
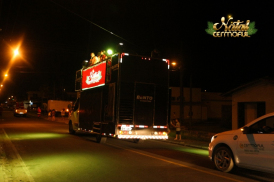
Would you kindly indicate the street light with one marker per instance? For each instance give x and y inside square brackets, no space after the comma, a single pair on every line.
[174,63]
[15,52]
[178,66]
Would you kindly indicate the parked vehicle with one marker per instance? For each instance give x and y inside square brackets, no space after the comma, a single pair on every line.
[59,105]
[20,110]
[125,96]
[251,146]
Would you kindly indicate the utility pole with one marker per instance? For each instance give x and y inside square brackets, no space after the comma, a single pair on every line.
[181,93]
[190,102]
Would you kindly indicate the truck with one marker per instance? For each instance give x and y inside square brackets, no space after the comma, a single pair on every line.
[59,105]
[125,96]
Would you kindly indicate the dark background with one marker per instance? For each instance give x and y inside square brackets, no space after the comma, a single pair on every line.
[58,35]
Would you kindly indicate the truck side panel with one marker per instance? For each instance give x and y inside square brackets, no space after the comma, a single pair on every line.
[90,108]
[125,103]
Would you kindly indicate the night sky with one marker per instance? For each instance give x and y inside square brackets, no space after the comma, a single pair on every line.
[57,35]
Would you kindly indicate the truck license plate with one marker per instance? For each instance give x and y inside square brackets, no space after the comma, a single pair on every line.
[127,128]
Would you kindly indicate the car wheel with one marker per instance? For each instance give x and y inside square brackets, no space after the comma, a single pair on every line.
[223,159]
[71,130]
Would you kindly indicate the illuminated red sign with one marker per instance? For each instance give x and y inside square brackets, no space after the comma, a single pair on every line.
[94,76]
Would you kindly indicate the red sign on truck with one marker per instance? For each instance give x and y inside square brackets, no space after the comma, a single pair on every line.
[94,76]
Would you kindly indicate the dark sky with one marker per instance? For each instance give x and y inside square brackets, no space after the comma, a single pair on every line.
[57,35]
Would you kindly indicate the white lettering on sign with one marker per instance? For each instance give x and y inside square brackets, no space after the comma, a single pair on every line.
[94,77]
[144,98]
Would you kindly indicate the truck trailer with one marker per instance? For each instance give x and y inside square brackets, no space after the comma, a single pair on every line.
[125,96]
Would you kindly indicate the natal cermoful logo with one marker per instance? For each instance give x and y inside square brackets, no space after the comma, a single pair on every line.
[231,29]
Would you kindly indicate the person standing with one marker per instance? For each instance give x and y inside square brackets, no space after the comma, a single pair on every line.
[53,115]
[49,115]
[103,55]
[63,113]
[38,112]
[178,129]
[93,59]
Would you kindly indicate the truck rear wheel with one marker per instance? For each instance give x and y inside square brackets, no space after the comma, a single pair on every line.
[71,130]
[98,138]
[136,140]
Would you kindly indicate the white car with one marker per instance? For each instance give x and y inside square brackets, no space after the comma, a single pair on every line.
[20,111]
[251,146]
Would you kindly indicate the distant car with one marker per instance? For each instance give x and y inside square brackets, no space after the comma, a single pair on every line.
[20,111]
[251,146]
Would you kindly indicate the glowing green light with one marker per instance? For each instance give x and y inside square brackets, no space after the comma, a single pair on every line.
[110,52]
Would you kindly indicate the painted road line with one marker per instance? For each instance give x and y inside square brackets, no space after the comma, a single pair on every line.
[172,162]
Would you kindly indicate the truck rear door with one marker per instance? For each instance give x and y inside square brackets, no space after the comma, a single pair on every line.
[144,104]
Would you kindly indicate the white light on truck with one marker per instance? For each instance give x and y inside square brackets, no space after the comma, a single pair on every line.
[141,126]
[159,126]
[141,137]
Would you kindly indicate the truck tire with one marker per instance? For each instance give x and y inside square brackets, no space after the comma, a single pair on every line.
[100,139]
[223,159]
[71,130]
[136,140]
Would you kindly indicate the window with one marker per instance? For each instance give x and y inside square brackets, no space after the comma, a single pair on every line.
[76,105]
[264,126]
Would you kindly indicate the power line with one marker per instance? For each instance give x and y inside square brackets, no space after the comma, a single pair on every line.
[92,23]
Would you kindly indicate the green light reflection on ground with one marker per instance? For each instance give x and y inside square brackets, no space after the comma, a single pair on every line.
[31,136]
[194,151]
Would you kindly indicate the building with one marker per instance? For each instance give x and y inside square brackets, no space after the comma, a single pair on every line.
[201,106]
[251,100]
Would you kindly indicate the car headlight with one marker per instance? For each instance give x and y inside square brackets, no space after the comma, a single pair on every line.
[212,138]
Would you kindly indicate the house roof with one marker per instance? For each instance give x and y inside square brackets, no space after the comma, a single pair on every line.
[260,80]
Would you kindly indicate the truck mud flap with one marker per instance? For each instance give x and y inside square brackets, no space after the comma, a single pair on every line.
[101,139]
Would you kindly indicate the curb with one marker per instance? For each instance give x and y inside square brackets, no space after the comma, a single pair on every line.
[185,144]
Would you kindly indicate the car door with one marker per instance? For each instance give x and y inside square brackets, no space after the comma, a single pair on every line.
[256,149]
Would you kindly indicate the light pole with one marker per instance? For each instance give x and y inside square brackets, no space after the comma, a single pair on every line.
[179,67]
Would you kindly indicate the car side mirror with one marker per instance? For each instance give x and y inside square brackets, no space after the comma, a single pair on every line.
[246,130]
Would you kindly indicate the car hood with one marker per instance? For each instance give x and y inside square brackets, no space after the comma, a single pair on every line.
[230,132]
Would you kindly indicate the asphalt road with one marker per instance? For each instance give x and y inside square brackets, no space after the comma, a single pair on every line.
[34,149]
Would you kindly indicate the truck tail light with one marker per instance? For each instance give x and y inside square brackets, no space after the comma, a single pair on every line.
[141,126]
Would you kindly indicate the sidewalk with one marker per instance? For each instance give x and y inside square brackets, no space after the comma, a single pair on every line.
[188,142]
[184,142]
